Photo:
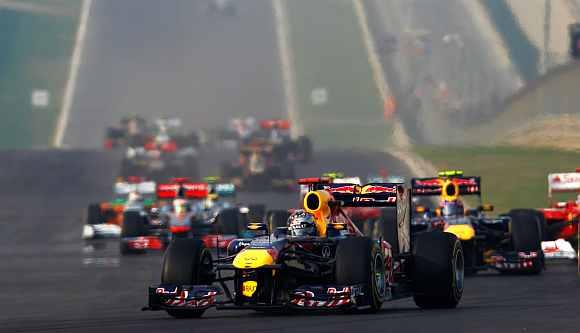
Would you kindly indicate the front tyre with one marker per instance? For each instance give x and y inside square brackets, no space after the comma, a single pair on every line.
[187,262]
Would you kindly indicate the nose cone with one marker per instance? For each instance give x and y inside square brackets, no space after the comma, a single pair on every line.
[253,258]
[462,231]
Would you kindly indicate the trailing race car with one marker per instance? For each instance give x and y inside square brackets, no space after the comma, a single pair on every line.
[508,243]
[319,261]
[162,153]
[185,210]
[104,219]
[562,216]
[259,170]
[130,132]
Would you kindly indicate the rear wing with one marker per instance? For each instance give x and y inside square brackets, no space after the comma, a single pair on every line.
[183,190]
[369,195]
[393,197]
[563,182]
[223,190]
[143,188]
[434,186]
[275,124]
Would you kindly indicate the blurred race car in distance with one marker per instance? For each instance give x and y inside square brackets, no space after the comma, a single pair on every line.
[131,131]
[185,209]
[258,169]
[318,261]
[104,219]
[162,152]
[508,243]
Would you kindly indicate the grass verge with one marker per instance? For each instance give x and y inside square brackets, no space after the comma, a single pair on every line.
[36,49]
[511,177]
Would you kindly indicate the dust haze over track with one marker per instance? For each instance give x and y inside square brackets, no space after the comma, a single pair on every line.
[204,69]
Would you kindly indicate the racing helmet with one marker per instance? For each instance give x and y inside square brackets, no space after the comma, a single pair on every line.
[181,206]
[301,223]
[452,208]
[134,196]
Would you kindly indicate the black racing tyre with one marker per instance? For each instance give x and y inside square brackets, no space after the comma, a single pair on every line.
[94,215]
[538,216]
[229,222]
[187,262]
[277,219]
[438,270]
[360,261]
[526,231]
[257,213]
[387,228]
[134,224]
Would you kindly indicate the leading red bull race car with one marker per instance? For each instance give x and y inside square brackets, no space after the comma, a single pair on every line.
[319,261]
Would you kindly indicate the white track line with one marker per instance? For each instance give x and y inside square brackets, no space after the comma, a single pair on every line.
[400,137]
[73,74]
[287,64]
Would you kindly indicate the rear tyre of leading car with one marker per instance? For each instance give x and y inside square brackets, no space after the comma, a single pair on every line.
[360,261]
[438,270]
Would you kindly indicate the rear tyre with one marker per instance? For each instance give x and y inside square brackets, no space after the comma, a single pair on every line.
[438,269]
[277,219]
[229,222]
[387,228]
[187,262]
[134,225]
[94,215]
[257,213]
[536,215]
[527,236]
[360,261]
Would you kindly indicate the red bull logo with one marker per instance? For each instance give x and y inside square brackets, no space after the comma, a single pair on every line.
[377,189]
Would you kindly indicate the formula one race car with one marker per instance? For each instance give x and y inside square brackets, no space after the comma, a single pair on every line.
[319,261]
[508,243]
[164,152]
[562,216]
[258,169]
[104,219]
[185,210]
[131,131]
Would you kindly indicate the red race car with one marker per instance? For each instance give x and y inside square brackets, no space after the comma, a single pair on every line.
[562,216]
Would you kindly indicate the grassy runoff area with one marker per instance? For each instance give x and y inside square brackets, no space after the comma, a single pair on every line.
[511,177]
[329,53]
[36,49]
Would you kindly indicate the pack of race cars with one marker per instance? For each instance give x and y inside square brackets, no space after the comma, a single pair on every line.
[348,245]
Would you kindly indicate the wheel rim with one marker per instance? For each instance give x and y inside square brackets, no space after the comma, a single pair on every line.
[379,276]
